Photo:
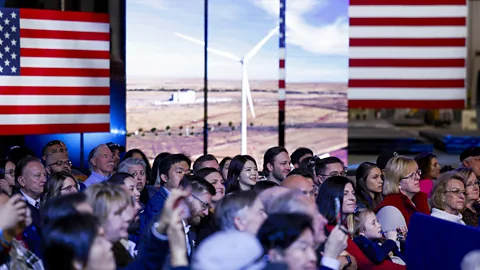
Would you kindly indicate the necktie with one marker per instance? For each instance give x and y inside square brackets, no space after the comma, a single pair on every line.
[36,205]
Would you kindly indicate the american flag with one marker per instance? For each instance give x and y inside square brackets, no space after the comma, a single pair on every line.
[54,72]
[407,54]
[281,56]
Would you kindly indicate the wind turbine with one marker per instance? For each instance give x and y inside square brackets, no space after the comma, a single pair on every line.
[246,93]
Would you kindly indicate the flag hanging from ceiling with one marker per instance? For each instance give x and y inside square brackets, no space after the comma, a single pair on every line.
[407,54]
[54,72]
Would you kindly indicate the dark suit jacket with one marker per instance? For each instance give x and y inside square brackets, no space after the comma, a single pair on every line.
[206,228]
[375,252]
[32,233]
[191,242]
[147,193]
[152,253]
[152,209]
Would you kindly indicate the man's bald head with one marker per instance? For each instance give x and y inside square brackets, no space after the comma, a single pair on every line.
[301,183]
[269,195]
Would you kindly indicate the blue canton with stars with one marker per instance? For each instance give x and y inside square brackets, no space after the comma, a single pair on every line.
[283,7]
[9,42]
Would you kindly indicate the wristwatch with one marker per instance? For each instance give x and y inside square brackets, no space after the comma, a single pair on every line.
[349,262]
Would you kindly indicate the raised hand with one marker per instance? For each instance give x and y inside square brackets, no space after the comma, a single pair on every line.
[13,212]
[172,202]
[336,242]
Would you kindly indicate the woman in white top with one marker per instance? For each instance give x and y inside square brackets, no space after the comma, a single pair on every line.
[449,197]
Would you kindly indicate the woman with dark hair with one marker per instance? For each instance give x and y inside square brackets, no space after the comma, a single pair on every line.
[341,188]
[428,165]
[137,168]
[369,185]
[7,176]
[137,153]
[76,242]
[288,239]
[155,179]
[208,225]
[224,164]
[59,183]
[242,173]
[337,194]
[127,181]
[214,177]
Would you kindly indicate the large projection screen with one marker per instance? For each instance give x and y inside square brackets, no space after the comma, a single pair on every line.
[165,76]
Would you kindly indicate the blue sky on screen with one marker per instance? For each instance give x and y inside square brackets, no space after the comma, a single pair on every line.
[317,39]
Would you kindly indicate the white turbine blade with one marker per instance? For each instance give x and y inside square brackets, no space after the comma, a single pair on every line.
[214,51]
[260,44]
[246,89]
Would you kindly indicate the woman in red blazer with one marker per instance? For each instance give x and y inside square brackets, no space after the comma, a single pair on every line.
[402,195]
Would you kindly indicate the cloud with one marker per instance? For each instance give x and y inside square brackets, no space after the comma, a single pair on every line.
[322,39]
[155,4]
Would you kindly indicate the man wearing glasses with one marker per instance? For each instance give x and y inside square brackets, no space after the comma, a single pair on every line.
[58,162]
[55,158]
[328,167]
[197,202]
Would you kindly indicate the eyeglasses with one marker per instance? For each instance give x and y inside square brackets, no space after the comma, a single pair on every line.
[11,172]
[457,192]
[62,163]
[417,172]
[476,183]
[335,173]
[205,205]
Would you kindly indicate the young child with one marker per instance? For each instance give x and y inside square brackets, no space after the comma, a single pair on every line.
[369,239]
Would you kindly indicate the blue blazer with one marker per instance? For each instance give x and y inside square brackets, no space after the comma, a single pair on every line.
[375,252]
[152,209]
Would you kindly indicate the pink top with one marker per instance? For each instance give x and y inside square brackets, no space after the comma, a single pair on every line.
[426,186]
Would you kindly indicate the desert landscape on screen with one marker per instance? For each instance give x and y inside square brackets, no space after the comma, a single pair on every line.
[316,117]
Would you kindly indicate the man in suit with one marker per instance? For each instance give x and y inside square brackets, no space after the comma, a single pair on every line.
[197,205]
[171,169]
[30,176]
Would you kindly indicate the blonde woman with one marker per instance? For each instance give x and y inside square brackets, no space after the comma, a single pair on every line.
[114,208]
[402,196]
[448,197]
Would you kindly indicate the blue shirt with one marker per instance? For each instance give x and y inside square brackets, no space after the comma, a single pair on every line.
[95,178]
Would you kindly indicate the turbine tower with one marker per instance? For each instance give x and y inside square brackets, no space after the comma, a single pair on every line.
[246,93]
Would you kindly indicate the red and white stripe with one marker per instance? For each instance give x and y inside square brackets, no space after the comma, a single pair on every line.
[407,53]
[64,82]
[281,80]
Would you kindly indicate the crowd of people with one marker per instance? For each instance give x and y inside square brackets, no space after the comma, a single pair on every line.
[298,212]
